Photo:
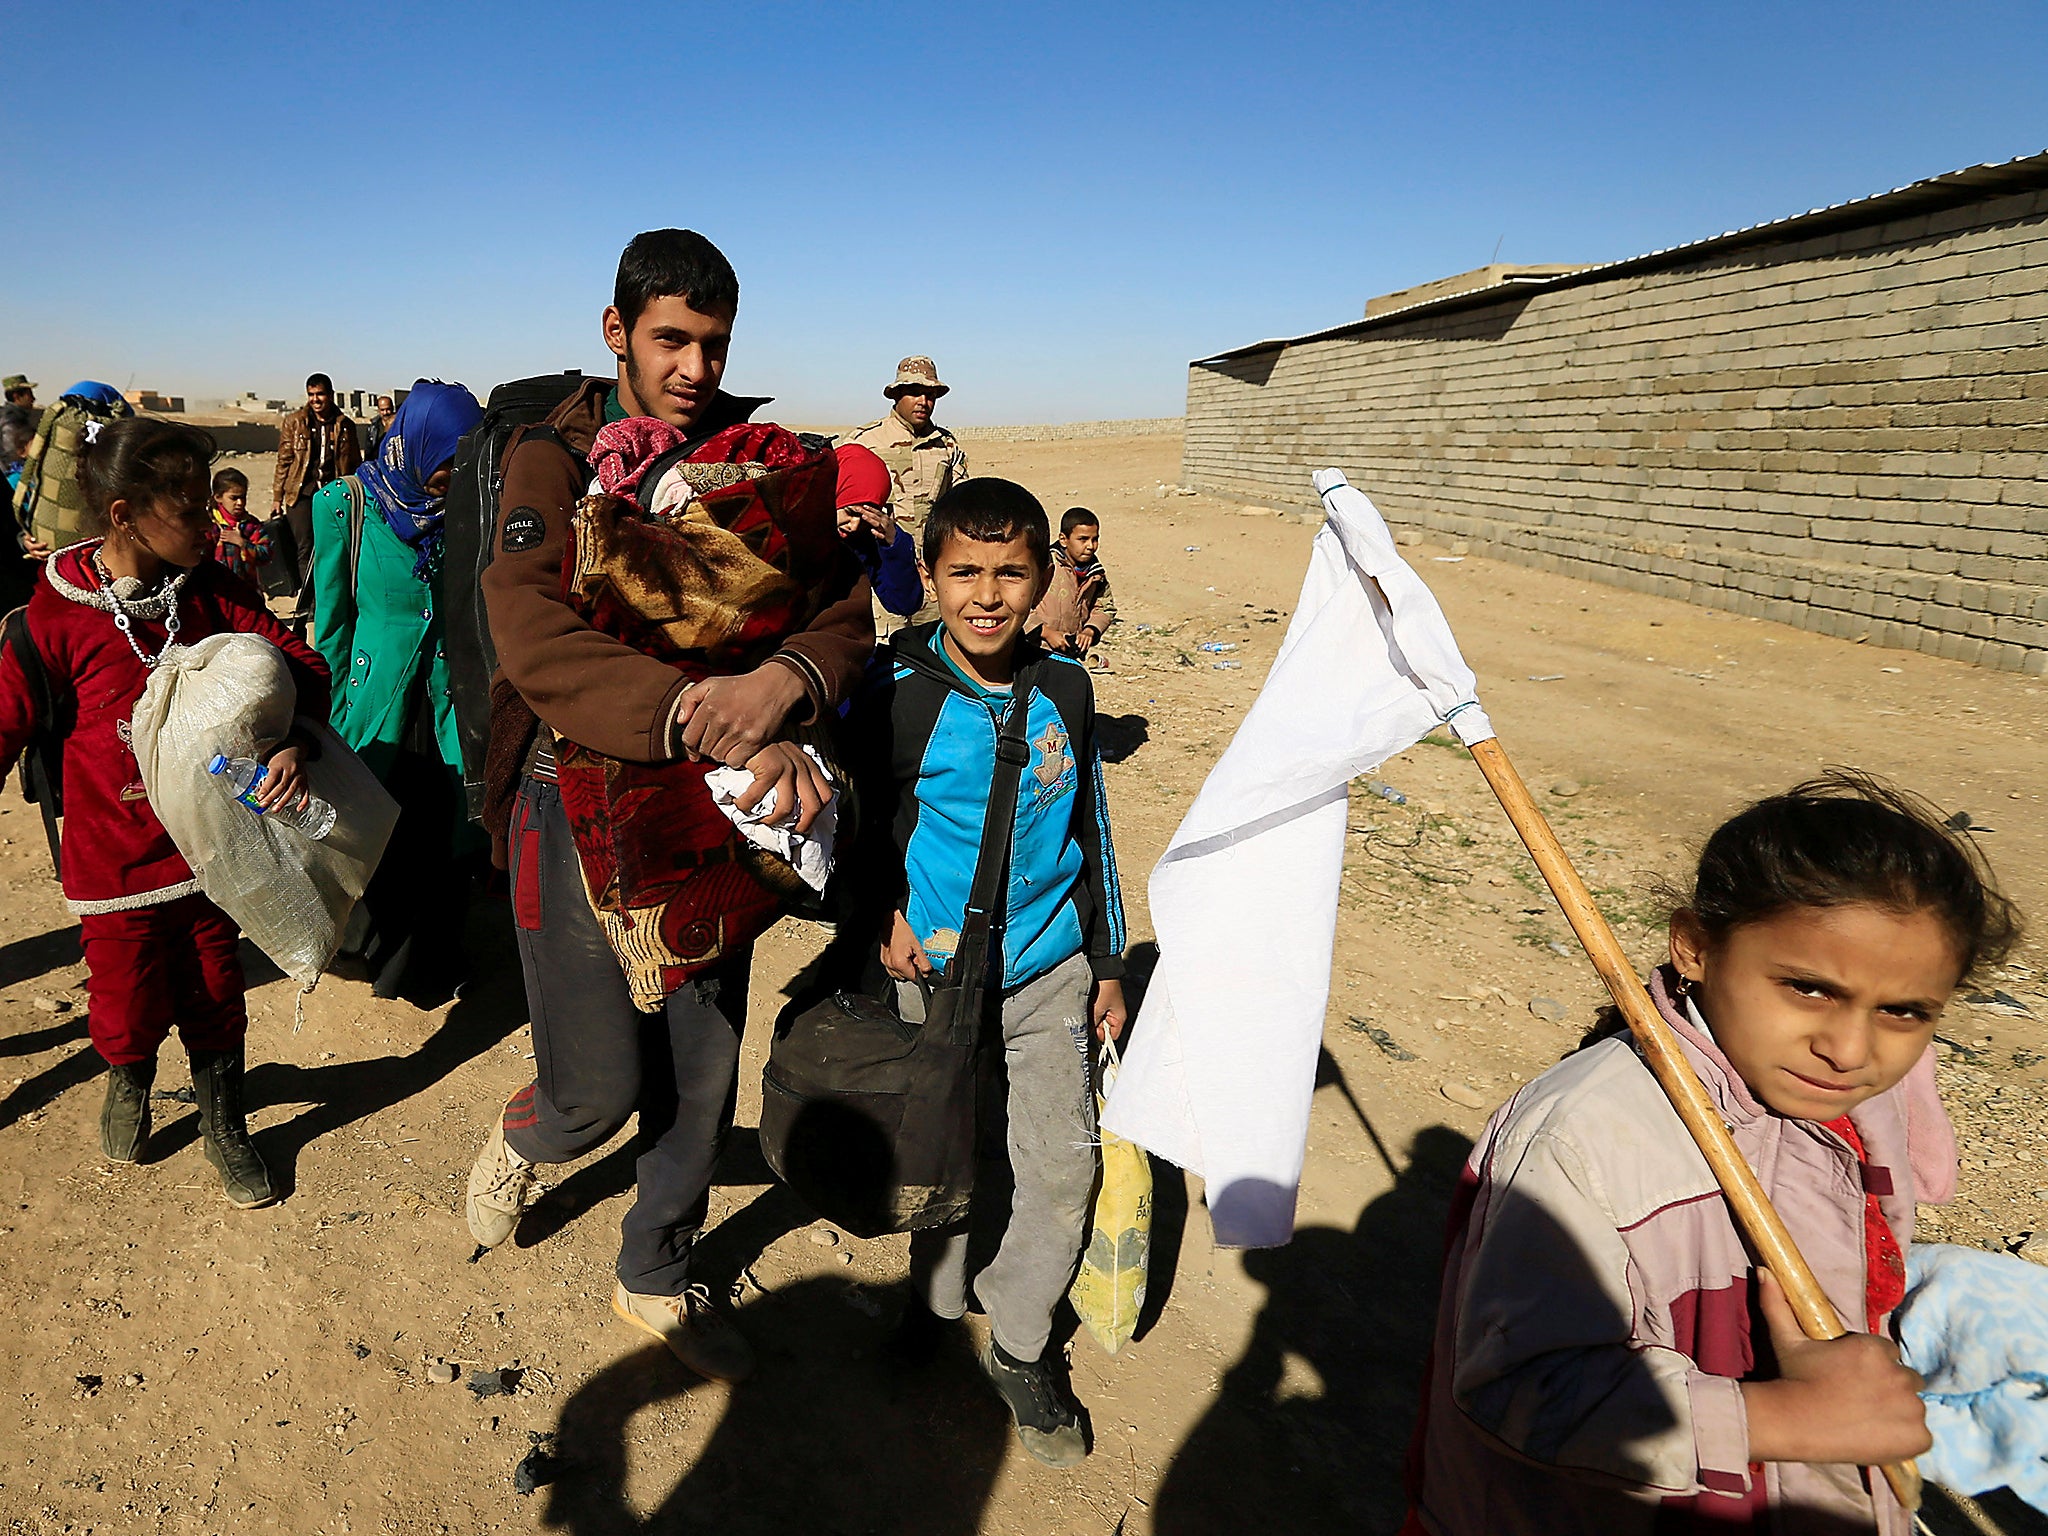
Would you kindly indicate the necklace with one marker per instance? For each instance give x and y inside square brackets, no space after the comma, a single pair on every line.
[126,624]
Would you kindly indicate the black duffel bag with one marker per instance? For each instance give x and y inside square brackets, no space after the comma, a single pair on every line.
[870,1117]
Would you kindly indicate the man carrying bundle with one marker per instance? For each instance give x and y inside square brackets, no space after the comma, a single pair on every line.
[635,914]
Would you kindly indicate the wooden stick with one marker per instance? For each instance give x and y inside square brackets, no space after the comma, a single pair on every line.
[1759,1221]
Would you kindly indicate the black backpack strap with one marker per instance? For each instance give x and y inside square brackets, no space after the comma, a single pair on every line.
[42,763]
[969,970]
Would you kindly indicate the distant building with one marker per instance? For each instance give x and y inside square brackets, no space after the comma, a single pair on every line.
[150,400]
[362,403]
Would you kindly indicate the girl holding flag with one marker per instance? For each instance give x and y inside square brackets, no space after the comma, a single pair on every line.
[1608,1356]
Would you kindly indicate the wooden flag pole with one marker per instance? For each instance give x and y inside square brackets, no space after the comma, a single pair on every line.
[1754,1213]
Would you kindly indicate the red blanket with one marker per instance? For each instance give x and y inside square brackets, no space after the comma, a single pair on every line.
[713,587]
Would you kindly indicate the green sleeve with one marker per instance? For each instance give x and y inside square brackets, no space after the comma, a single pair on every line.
[334,596]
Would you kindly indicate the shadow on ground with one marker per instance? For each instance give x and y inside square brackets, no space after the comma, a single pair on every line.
[24,959]
[490,1008]
[1311,1426]
[825,1438]
[50,1084]
[1118,737]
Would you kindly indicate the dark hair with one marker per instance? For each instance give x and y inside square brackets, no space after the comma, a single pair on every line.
[141,460]
[224,478]
[990,510]
[320,378]
[1077,517]
[674,263]
[1847,837]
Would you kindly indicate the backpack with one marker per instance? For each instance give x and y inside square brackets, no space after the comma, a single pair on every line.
[56,713]
[49,501]
[513,412]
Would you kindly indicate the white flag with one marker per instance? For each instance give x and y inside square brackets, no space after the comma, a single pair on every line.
[1222,1059]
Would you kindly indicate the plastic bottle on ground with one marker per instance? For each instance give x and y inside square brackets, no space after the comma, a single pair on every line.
[244,776]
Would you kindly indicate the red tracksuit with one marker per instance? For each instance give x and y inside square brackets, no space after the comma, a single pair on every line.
[159,953]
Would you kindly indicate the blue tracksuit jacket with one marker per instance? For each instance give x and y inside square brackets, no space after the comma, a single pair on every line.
[927,740]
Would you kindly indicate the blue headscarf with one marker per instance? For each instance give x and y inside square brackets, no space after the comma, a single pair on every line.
[98,394]
[431,420]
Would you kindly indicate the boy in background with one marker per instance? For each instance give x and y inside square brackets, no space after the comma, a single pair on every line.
[1077,609]
[931,743]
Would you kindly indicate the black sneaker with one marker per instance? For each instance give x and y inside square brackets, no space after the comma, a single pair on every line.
[1048,1419]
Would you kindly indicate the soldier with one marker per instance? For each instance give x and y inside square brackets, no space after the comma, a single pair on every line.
[924,460]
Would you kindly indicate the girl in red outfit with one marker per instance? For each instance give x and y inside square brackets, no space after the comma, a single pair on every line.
[158,952]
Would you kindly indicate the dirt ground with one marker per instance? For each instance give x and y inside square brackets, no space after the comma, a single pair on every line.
[176,1366]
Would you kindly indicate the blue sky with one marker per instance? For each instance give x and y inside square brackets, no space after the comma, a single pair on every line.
[1062,203]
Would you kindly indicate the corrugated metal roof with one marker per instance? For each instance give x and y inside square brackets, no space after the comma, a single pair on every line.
[1970,184]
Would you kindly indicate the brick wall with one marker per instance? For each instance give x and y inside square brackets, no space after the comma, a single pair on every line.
[1844,431]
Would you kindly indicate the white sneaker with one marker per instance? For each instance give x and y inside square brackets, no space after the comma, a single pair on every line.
[502,1185]
[692,1329]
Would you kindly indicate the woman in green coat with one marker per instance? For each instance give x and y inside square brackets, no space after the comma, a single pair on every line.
[377,607]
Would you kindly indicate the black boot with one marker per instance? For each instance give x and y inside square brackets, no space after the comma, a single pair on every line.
[124,1118]
[217,1084]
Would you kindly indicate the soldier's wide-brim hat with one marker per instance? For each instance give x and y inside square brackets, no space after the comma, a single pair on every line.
[919,371]
[15,381]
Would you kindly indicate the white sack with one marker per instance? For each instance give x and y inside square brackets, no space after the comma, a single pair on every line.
[1222,1061]
[289,894]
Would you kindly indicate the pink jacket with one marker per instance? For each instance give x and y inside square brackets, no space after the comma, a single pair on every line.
[1596,1314]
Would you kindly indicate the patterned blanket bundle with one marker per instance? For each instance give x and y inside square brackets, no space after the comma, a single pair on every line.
[741,553]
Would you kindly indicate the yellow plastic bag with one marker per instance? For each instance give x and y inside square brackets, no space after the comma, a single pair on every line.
[1109,1292]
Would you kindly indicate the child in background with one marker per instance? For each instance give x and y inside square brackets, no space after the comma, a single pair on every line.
[158,952]
[239,542]
[1608,1358]
[928,746]
[886,552]
[1077,609]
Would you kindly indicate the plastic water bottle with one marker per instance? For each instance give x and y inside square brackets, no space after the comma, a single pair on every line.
[312,815]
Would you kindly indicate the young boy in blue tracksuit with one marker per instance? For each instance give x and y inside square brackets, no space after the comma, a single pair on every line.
[931,747]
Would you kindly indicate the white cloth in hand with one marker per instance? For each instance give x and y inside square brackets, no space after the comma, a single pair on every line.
[808,853]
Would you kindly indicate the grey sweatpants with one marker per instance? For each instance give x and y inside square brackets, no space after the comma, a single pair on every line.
[1044,1109]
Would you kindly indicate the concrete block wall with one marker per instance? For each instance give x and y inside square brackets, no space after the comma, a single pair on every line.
[1847,431]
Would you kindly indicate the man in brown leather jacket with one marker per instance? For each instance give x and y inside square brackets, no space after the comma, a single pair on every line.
[316,445]
[598,1059]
